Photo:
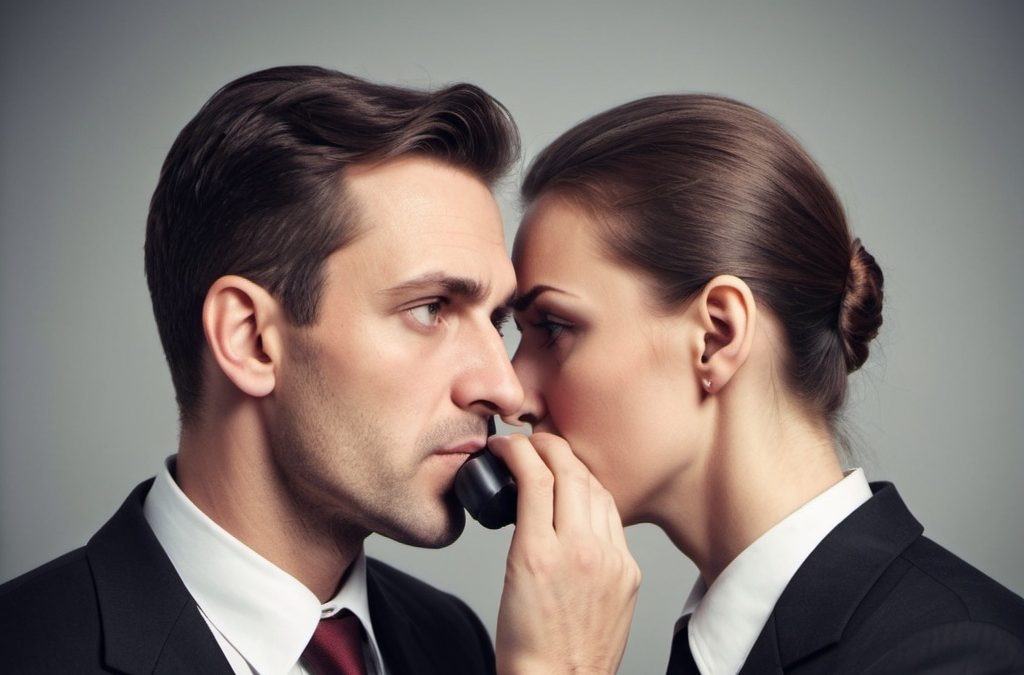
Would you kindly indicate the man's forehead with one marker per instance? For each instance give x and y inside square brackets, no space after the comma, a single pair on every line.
[429,260]
[423,199]
[423,247]
[424,222]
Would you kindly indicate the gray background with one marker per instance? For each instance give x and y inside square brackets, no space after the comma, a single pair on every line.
[913,109]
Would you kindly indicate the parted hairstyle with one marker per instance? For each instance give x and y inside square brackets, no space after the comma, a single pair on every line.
[253,186]
[688,187]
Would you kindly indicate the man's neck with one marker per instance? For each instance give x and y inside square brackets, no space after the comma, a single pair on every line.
[225,468]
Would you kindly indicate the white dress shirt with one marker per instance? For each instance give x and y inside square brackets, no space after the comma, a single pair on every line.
[262,617]
[729,615]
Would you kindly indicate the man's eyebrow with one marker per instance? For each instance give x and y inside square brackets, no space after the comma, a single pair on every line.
[468,289]
[522,302]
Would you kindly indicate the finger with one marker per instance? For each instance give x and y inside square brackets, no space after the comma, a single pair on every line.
[611,520]
[600,519]
[617,533]
[616,536]
[610,514]
[572,510]
[534,481]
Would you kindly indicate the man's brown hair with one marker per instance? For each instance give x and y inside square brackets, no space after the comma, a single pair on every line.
[253,186]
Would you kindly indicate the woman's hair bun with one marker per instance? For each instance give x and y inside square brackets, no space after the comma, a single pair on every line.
[860,313]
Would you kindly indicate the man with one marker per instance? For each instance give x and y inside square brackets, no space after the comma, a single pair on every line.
[329,277]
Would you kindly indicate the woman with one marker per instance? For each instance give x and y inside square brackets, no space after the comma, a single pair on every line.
[691,304]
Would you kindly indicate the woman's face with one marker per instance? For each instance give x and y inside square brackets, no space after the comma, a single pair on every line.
[599,365]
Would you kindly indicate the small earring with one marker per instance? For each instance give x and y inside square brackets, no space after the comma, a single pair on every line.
[707,385]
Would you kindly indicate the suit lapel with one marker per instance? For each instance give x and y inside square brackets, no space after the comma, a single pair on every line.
[402,644]
[150,622]
[821,598]
[764,655]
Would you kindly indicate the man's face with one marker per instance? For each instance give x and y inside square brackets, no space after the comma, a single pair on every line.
[381,400]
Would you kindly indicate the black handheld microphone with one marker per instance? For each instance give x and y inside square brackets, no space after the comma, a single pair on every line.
[486,488]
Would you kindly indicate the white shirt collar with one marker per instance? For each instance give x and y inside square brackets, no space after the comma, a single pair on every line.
[264,613]
[729,615]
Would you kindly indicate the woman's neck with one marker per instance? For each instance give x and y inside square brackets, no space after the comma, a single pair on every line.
[760,465]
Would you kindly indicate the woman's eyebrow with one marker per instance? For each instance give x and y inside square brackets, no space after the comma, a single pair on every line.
[522,302]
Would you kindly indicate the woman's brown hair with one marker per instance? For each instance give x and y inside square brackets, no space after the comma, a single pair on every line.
[688,187]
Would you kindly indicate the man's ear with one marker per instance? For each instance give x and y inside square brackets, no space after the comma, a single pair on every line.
[240,322]
[727,314]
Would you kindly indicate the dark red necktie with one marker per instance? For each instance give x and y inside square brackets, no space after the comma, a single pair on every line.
[336,647]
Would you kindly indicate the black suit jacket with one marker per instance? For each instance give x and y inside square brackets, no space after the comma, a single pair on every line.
[876,596]
[118,606]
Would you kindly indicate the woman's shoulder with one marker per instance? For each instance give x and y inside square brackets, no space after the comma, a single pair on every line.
[925,583]
[913,602]
[951,581]
[938,609]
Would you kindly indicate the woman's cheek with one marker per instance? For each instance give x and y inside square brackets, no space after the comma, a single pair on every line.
[587,410]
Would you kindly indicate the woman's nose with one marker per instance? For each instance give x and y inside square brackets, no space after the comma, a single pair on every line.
[532,410]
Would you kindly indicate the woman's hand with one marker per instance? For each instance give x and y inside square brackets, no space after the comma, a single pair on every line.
[570,581]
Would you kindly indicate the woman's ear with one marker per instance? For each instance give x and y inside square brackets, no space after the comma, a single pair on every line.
[239,319]
[727,313]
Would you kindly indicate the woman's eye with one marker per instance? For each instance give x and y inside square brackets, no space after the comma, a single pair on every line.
[547,329]
[553,329]
[426,315]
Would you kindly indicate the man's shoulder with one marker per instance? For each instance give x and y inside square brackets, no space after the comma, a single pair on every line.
[51,586]
[60,583]
[49,617]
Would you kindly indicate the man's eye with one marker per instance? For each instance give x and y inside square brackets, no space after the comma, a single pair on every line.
[426,315]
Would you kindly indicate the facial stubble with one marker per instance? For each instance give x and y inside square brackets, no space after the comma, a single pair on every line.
[344,470]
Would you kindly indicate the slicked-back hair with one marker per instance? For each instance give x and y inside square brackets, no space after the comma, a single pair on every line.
[687,187]
[253,186]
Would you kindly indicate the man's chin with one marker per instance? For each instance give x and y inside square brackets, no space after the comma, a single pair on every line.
[456,524]
[437,532]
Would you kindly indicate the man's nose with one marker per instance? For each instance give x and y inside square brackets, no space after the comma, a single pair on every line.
[489,383]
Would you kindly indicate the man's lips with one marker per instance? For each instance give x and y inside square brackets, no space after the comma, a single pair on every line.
[464,448]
